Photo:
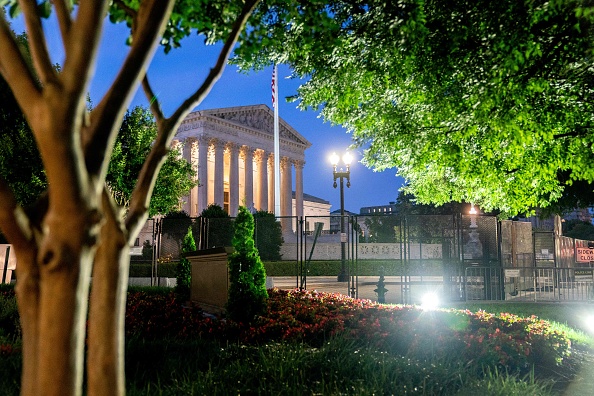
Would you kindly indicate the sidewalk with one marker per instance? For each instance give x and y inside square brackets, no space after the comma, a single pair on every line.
[366,286]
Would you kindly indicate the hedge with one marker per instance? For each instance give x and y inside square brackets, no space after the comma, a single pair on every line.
[143,270]
[316,268]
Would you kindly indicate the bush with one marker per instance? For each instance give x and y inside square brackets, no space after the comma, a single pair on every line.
[268,235]
[184,269]
[247,277]
[10,326]
[219,227]
[143,270]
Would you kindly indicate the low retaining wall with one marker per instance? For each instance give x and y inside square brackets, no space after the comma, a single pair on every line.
[164,282]
[366,251]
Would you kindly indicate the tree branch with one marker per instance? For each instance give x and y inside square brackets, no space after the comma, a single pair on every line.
[581,131]
[152,18]
[128,10]
[217,70]
[16,72]
[81,45]
[39,52]
[154,103]
[64,20]
[141,195]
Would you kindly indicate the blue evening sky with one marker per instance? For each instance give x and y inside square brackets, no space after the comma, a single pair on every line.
[176,75]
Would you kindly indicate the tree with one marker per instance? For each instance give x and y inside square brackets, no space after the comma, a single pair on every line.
[476,101]
[383,228]
[133,144]
[76,232]
[247,276]
[406,204]
[268,234]
[578,229]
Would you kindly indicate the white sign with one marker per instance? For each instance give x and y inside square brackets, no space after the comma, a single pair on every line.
[583,275]
[343,237]
[136,251]
[512,273]
[584,254]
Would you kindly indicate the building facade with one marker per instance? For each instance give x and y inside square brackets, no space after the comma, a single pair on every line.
[232,150]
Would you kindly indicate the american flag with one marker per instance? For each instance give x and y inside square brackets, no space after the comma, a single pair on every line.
[273,93]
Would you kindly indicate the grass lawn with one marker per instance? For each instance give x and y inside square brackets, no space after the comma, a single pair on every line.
[327,344]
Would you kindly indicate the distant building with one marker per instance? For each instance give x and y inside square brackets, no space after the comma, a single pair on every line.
[379,209]
[315,210]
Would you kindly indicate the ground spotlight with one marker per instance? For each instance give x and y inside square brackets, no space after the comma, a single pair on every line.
[589,322]
[430,301]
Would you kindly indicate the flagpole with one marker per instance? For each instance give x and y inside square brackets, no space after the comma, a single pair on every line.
[277,208]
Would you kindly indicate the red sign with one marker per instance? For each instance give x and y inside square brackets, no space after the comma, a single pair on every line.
[584,254]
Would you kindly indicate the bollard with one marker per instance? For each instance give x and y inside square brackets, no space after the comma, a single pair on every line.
[381,290]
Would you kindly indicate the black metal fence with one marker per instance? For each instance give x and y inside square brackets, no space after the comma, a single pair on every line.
[457,256]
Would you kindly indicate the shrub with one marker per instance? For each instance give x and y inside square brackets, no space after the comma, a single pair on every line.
[144,270]
[268,235]
[247,277]
[10,326]
[184,269]
[219,227]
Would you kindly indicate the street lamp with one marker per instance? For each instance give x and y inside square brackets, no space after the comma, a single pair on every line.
[342,174]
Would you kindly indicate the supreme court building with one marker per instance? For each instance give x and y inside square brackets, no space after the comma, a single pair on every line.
[232,150]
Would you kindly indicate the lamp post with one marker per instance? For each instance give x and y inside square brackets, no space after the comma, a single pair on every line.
[342,174]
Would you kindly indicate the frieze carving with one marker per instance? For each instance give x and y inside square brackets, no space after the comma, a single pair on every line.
[258,119]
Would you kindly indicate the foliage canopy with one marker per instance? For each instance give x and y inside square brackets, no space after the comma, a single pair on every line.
[476,101]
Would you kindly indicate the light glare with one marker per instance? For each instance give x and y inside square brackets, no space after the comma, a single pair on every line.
[430,301]
[347,158]
[334,159]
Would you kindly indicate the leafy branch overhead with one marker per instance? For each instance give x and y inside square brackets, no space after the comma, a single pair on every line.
[476,101]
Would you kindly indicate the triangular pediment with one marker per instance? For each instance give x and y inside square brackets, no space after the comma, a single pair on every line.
[258,117]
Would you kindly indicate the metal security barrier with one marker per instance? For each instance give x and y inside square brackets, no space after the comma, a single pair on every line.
[535,284]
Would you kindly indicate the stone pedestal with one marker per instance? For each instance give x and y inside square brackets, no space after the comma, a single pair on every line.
[210,278]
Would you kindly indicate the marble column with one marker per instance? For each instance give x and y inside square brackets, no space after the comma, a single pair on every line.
[299,187]
[263,203]
[270,161]
[219,172]
[191,204]
[233,178]
[203,143]
[286,187]
[286,194]
[248,199]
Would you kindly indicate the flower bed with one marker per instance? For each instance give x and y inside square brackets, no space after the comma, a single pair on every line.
[474,339]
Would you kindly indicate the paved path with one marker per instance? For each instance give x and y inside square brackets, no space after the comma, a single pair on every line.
[366,286]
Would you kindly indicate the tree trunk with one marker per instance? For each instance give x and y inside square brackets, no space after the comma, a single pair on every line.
[105,359]
[52,294]
[27,290]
